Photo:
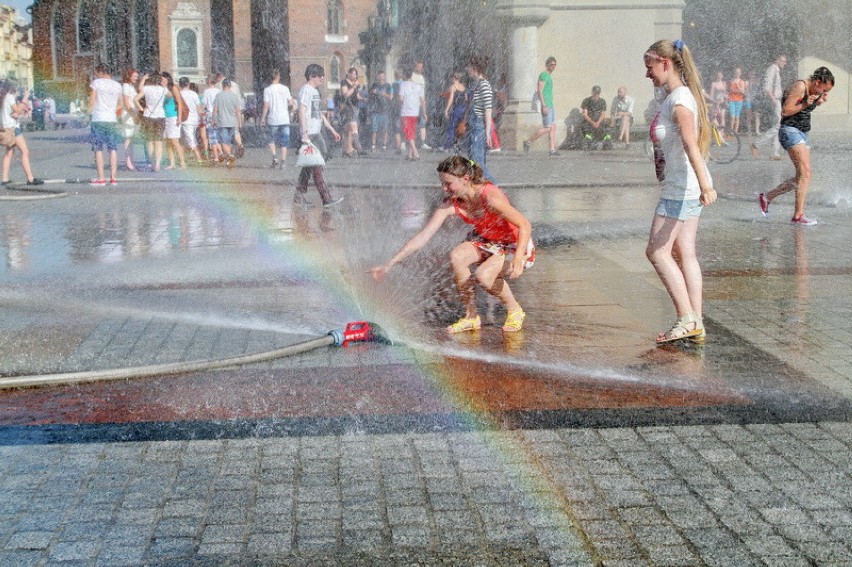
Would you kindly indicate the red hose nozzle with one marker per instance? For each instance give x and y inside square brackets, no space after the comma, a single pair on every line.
[359,331]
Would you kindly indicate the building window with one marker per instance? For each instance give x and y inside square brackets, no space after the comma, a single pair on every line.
[57,41]
[335,17]
[112,40]
[187,49]
[143,36]
[85,29]
[334,70]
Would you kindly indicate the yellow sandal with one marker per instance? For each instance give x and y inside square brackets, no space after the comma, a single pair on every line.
[514,321]
[465,324]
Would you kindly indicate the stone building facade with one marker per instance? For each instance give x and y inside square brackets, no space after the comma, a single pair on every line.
[16,47]
[244,39]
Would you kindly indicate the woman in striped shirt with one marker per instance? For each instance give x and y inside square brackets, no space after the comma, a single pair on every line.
[479,123]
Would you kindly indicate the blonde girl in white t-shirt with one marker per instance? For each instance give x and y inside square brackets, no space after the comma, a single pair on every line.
[682,129]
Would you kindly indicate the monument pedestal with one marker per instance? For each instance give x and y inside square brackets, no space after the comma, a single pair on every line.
[518,124]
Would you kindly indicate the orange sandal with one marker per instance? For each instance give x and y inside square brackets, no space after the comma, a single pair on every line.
[514,321]
[465,324]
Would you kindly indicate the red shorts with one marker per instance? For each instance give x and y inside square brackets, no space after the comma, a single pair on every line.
[409,127]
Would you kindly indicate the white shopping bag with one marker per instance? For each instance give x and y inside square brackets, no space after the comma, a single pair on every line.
[309,156]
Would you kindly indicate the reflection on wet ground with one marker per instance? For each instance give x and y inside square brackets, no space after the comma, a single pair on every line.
[185,269]
[181,275]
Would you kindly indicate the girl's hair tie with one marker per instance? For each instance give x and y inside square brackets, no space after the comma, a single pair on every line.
[678,44]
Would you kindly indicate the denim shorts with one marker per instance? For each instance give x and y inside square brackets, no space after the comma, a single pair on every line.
[547,120]
[379,122]
[789,136]
[280,135]
[226,135]
[105,134]
[680,210]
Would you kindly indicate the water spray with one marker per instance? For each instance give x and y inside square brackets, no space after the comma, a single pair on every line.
[359,331]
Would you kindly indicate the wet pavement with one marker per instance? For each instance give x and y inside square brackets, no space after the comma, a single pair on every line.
[574,442]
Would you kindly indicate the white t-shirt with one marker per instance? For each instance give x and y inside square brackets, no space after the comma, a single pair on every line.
[278,97]
[309,97]
[9,121]
[680,181]
[155,96]
[192,102]
[209,96]
[108,95]
[410,93]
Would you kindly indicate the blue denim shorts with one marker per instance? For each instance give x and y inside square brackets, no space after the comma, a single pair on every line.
[279,135]
[379,122]
[789,136]
[226,135]
[680,210]
[547,120]
[105,134]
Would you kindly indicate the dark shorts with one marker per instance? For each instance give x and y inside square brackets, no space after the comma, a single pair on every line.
[153,129]
[105,134]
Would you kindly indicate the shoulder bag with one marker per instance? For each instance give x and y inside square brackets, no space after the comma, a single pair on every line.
[7,135]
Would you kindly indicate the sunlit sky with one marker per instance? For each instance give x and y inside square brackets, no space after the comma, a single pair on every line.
[20,5]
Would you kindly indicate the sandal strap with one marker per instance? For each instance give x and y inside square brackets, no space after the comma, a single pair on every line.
[515,320]
[680,331]
[465,324]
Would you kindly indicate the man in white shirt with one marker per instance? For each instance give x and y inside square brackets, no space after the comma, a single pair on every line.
[772,89]
[105,98]
[417,77]
[412,106]
[311,121]
[277,103]
[622,115]
[189,126]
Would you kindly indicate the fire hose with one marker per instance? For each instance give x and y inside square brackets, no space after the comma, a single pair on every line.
[358,331]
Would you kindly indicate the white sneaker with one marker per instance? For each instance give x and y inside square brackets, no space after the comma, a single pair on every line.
[333,201]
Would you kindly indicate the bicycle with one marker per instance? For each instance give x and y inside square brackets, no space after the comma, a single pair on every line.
[724,145]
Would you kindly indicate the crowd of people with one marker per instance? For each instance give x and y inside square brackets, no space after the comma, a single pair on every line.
[500,246]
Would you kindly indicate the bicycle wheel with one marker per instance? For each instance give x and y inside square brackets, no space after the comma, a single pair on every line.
[724,145]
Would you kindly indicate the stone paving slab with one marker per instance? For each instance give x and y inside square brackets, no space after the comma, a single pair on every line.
[705,495]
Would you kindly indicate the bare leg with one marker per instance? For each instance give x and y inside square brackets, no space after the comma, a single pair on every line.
[461,258]
[7,162]
[21,143]
[801,158]
[128,153]
[99,164]
[664,233]
[489,275]
[113,163]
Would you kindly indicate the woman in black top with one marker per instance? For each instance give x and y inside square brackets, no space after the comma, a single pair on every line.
[800,99]
[350,96]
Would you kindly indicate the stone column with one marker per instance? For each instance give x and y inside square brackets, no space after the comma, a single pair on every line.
[523,17]
[243,67]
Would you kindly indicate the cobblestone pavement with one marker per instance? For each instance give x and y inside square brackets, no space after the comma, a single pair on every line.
[579,444]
